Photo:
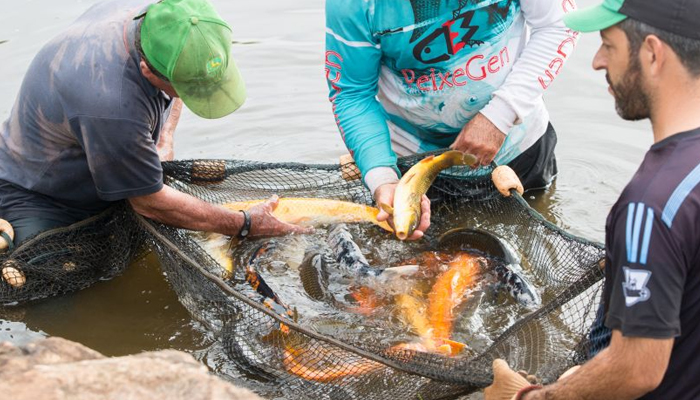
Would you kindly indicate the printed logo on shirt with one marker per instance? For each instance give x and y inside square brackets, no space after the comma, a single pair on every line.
[466,29]
[635,286]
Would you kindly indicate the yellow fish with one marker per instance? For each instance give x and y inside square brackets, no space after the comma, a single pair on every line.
[415,183]
[314,211]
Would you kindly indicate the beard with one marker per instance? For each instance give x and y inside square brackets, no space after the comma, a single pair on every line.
[631,100]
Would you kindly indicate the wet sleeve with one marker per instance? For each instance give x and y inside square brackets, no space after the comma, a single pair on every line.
[353,57]
[121,155]
[549,46]
[649,275]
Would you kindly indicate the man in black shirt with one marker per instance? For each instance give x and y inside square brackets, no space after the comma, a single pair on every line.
[651,298]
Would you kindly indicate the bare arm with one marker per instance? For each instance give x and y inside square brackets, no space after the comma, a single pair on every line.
[181,210]
[166,141]
[628,369]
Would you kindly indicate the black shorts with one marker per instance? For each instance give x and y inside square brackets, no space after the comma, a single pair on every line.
[537,167]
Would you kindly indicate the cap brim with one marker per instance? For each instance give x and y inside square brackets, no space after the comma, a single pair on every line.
[592,19]
[214,100]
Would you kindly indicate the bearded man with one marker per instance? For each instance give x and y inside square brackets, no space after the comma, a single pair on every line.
[651,303]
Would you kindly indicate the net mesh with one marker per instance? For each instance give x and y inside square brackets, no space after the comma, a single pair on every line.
[67,259]
[299,358]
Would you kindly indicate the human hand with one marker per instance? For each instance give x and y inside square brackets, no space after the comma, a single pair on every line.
[264,223]
[481,138]
[569,372]
[385,195]
[507,384]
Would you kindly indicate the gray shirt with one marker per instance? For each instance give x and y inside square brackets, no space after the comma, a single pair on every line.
[85,124]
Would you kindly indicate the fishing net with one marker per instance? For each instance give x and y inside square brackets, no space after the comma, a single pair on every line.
[315,349]
[66,259]
[302,356]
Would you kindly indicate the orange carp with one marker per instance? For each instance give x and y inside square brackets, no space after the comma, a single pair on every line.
[314,211]
[415,183]
[449,291]
[433,323]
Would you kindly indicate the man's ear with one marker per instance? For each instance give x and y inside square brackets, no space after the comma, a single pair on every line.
[145,71]
[653,54]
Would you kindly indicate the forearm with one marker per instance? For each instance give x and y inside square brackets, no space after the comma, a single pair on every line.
[601,378]
[166,138]
[181,210]
[627,369]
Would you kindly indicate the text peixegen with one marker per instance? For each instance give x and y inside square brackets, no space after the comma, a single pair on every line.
[475,69]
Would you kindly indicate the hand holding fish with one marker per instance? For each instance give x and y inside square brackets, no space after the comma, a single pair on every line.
[385,195]
[481,138]
[263,223]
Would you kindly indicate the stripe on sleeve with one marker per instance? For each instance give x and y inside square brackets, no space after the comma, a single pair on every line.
[647,236]
[684,188]
[628,231]
[350,42]
[638,216]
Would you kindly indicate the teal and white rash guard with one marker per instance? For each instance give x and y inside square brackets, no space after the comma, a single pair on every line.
[405,76]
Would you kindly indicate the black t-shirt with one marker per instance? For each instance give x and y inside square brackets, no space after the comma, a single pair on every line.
[652,287]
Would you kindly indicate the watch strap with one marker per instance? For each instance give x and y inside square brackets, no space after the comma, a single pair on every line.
[247,221]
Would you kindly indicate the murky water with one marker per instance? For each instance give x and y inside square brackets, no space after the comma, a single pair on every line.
[288,118]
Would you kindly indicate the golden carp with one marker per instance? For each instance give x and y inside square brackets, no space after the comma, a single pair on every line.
[415,183]
[314,211]
[412,312]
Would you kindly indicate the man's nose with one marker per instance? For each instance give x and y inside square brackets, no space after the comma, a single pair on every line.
[599,61]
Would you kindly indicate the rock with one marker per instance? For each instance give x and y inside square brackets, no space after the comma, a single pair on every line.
[58,369]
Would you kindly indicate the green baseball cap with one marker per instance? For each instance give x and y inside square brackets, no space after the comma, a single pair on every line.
[188,43]
[595,18]
[678,17]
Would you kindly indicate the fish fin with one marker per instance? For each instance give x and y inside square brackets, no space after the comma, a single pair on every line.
[469,159]
[387,208]
[428,159]
[408,177]
[391,273]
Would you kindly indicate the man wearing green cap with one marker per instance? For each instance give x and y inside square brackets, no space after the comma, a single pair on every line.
[99,104]
[651,298]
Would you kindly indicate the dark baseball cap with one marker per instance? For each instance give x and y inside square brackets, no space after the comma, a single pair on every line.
[675,16]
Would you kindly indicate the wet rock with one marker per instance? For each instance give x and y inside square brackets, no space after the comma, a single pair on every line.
[59,369]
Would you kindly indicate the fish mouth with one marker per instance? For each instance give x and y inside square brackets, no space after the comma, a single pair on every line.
[402,235]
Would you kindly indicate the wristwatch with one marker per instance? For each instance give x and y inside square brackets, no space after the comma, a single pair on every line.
[245,229]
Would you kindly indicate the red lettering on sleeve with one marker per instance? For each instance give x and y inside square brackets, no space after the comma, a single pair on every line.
[568,5]
[330,63]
